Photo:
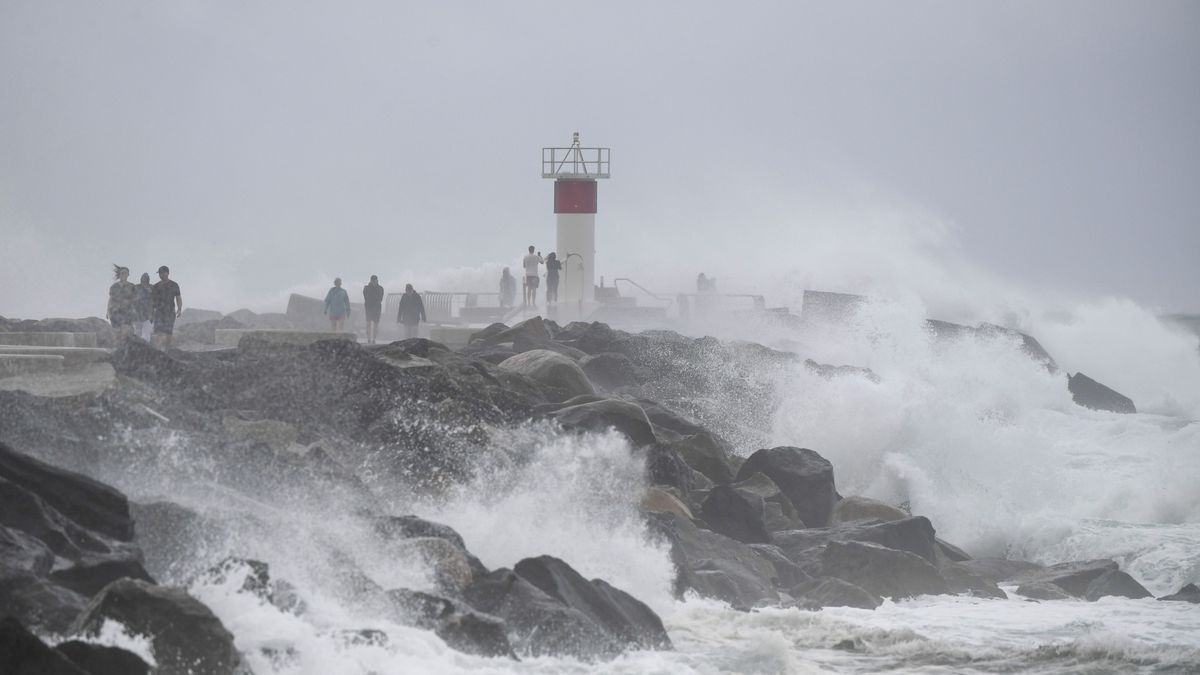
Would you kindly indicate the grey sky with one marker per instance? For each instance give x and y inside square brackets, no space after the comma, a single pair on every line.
[261,146]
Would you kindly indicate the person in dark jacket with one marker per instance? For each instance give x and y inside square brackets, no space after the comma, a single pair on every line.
[553,267]
[411,312]
[166,303]
[373,305]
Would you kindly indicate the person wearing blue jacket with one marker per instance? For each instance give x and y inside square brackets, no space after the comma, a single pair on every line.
[337,306]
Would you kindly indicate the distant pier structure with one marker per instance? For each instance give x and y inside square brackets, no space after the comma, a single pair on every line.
[575,170]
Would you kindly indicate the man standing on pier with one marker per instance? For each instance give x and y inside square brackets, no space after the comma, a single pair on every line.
[373,304]
[531,263]
[411,312]
[167,305]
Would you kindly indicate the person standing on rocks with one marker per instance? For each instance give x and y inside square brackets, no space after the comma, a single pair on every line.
[531,262]
[553,267]
[122,302]
[166,305]
[145,306]
[337,306]
[373,305]
[411,312]
[508,289]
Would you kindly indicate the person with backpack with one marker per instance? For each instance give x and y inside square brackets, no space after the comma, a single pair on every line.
[411,312]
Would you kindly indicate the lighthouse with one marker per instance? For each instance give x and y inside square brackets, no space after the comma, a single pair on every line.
[575,171]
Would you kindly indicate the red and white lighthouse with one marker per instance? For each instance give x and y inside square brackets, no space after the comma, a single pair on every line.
[575,171]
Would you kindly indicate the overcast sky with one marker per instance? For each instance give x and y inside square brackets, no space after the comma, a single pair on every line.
[257,147]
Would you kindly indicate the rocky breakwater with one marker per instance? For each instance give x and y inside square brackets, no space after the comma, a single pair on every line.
[333,428]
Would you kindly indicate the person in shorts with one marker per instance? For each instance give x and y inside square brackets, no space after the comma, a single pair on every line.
[373,306]
[122,302]
[166,306]
[530,264]
[337,306]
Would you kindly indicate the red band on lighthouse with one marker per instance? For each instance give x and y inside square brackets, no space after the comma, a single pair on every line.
[574,196]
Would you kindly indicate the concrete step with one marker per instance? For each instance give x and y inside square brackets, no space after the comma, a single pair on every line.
[74,357]
[49,339]
[21,364]
[230,337]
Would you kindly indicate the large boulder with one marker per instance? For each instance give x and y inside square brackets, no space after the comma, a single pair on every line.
[602,414]
[780,514]
[23,653]
[612,371]
[704,453]
[831,592]
[962,581]
[186,636]
[737,514]
[539,625]
[883,571]
[804,476]
[1118,583]
[1072,577]
[1189,593]
[1091,394]
[913,535]
[459,626]
[410,526]
[1001,569]
[559,377]
[713,565]
[102,660]
[627,619]
[850,509]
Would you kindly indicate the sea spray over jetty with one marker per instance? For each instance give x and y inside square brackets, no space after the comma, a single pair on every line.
[404,507]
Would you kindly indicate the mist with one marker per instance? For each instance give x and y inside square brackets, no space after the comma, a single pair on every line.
[977,155]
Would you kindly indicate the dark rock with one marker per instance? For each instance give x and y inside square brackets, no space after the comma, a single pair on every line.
[611,371]
[781,515]
[186,636]
[831,592]
[459,626]
[23,653]
[1118,583]
[629,621]
[559,377]
[101,660]
[602,414]
[713,565]
[705,454]
[914,535]
[664,466]
[168,533]
[88,575]
[1189,593]
[532,329]
[1000,569]
[883,571]
[524,343]
[1072,577]
[1042,590]
[950,551]
[805,477]
[1091,394]
[89,503]
[737,514]
[409,527]
[787,573]
[255,575]
[538,625]
[961,580]
[854,508]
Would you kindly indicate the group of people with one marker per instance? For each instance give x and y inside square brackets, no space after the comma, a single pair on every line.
[141,308]
[508,284]
[410,313]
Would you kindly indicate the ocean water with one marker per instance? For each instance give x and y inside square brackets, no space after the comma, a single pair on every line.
[971,433]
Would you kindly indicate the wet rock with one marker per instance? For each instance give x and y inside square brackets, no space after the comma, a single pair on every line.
[737,514]
[611,371]
[601,414]
[1042,590]
[914,535]
[1072,577]
[705,454]
[461,627]
[781,515]
[254,575]
[851,509]
[23,653]
[1091,394]
[1189,593]
[664,466]
[831,592]
[186,636]
[805,477]
[950,552]
[787,573]
[883,571]
[451,569]
[659,500]
[961,580]
[531,329]
[559,377]
[713,565]
[1000,569]
[89,574]
[1118,583]
[830,372]
[168,533]
[102,660]
[628,620]
[538,625]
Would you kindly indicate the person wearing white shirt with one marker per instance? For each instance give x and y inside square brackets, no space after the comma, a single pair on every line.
[531,262]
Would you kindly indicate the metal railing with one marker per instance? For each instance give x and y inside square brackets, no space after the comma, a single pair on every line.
[575,161]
